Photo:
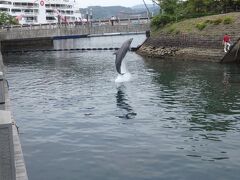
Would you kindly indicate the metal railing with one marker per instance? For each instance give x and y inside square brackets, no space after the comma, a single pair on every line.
[55,29]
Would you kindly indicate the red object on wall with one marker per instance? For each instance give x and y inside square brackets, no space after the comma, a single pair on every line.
[42,3]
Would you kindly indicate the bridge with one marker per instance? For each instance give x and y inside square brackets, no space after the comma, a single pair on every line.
[31,37]
[136,25]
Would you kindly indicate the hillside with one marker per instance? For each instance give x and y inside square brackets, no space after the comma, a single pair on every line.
[152,8]
[105,12]
[100,12]
[215,25]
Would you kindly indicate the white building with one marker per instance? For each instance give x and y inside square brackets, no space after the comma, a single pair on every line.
[41,11]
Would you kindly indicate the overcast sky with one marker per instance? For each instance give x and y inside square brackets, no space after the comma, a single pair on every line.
[126,3]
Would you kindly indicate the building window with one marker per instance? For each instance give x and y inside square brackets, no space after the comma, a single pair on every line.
[50,18]
[16,10]
[5,2]
[4,9]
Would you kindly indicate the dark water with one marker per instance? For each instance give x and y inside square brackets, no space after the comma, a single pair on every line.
[174,120]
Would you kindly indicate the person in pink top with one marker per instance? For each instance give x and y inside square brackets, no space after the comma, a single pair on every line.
[226,42]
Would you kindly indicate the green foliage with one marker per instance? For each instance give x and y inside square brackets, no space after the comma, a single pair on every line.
[197,8]
[171,29]
[169,6]
[6,19]
[217,21]
[214,21]
[208,21]
[227,20]
[176,10]
[161,20]
[201,25]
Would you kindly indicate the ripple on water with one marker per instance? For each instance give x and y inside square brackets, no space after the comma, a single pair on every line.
[172,121]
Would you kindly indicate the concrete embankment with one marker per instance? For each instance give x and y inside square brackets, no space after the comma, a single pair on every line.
[28,43]
[12,165]
[184,47]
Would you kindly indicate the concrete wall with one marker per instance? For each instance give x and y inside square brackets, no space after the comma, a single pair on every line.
[7,166]
[30,43]
[185,47]
[12,165]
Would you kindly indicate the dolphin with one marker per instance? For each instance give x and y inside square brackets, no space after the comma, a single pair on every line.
[121,53]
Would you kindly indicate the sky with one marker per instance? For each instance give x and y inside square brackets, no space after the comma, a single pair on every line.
[126,3]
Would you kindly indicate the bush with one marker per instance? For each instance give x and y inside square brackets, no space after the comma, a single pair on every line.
[201,25]
[196,15]
[208,21]
[227,20]
[171,29]
[161,20]
[177,32]
[217,21]
[6,19]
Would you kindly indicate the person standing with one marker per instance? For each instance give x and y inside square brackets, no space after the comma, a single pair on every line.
[226,42]
[112,20]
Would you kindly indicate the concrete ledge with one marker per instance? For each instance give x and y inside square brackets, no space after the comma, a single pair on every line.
[18,167]
[7,162]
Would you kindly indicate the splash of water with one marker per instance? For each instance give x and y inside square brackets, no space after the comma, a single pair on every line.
[126,76]
[123,78]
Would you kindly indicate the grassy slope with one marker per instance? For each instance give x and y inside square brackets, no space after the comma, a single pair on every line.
[189,26]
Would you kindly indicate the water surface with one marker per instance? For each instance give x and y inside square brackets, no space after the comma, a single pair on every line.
[174,120]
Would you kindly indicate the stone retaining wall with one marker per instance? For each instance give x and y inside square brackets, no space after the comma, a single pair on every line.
[205,48]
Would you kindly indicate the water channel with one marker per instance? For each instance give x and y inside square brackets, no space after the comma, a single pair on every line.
[173,120]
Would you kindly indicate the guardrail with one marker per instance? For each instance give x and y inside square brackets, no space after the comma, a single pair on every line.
[90,23]
[55,30]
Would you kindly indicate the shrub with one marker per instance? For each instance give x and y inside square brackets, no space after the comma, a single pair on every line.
[208,21]
[227,20]
[201,26]
[171,29]
[6,19]
[155,21]
[161,20]
[217,21]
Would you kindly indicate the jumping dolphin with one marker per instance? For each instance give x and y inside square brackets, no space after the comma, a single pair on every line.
[121,53]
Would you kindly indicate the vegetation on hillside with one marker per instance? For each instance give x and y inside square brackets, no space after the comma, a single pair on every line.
[207,25]
[6,19]
[176,10]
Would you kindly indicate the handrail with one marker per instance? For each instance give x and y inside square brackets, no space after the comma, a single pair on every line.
[90,22]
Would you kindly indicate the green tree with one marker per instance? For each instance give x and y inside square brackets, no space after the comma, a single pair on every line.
[6,19]
[175,10]
[169,6]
